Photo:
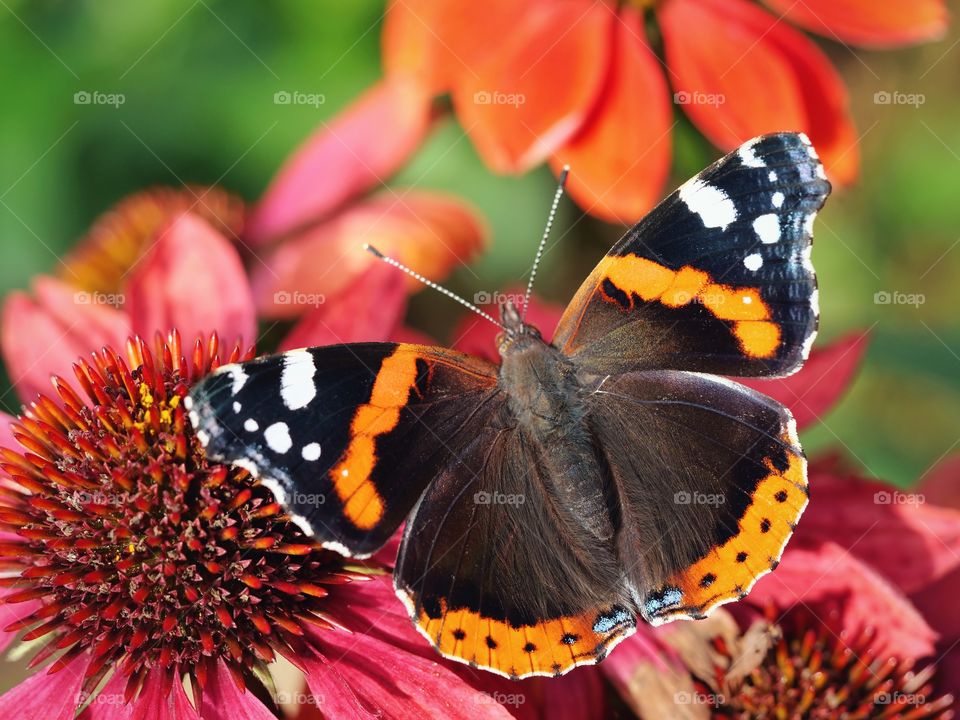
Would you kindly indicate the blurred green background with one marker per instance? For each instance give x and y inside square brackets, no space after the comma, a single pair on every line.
[199,77]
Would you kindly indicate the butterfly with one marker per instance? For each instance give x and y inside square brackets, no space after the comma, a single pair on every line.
[611,474]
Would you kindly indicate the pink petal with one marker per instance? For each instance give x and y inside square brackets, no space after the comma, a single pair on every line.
[848,596]
[383,680]
[6,434]
[192,280]
[13,612]
[429,232]
[937,603]
[476,336]
[51,697]
[909,541]
[827,374]
[369,312]
[223,700]
[45,335]
[941,484]
[161,698]
[358,150]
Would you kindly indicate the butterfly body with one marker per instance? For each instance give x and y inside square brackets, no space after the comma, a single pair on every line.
[613,473]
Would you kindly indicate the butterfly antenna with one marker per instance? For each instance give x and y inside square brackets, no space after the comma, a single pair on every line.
[546,234]
[429,283]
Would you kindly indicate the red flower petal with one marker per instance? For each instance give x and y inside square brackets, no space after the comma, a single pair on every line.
[45,335]
[475,336]
[429,232]
[621,158]
[868,22]
[11,613]
[849,596]
[223,700]
[907,540]
[941,484]
[441,41]
[369,312]
[192,280]
[51,697]
[371,678]
[357,151]
[813,391]
[740,72]
[537,90]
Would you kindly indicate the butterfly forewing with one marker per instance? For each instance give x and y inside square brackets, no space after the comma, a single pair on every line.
[348,436]
[717,278]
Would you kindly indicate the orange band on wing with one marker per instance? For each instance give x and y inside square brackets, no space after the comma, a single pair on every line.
[550,647]
[758,336]
[728,571]
[362,503]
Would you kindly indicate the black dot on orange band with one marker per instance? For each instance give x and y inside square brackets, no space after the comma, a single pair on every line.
[708,580]
[529,648]
[569,638]
[765,525]
[781,496]
[741,557]
[491,643]
[459,634]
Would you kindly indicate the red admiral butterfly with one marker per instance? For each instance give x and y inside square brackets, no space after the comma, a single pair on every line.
[610,473]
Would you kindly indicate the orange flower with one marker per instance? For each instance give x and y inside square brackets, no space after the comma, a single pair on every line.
[577,81]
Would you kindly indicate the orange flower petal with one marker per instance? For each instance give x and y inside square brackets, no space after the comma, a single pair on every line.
[442,41]
[621,158]
[868,22]
[429,232]
[538,89]
[740,72]
[192,280]
[355,152]
[44,335]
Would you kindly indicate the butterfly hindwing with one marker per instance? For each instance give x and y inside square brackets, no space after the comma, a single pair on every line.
[717,278]
[498,572]
[346,436]
[711,481]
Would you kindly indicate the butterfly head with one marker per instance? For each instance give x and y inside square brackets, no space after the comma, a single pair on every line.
[517,335]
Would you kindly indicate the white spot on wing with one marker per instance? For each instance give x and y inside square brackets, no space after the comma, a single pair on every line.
[753,262]
[778,198]
[236,374]
[237,407]
[278,437]
[715,209]
[297,388]
[772,176]
[748,155]
[767,228]
[808,223]
[311,451]
[251,425]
